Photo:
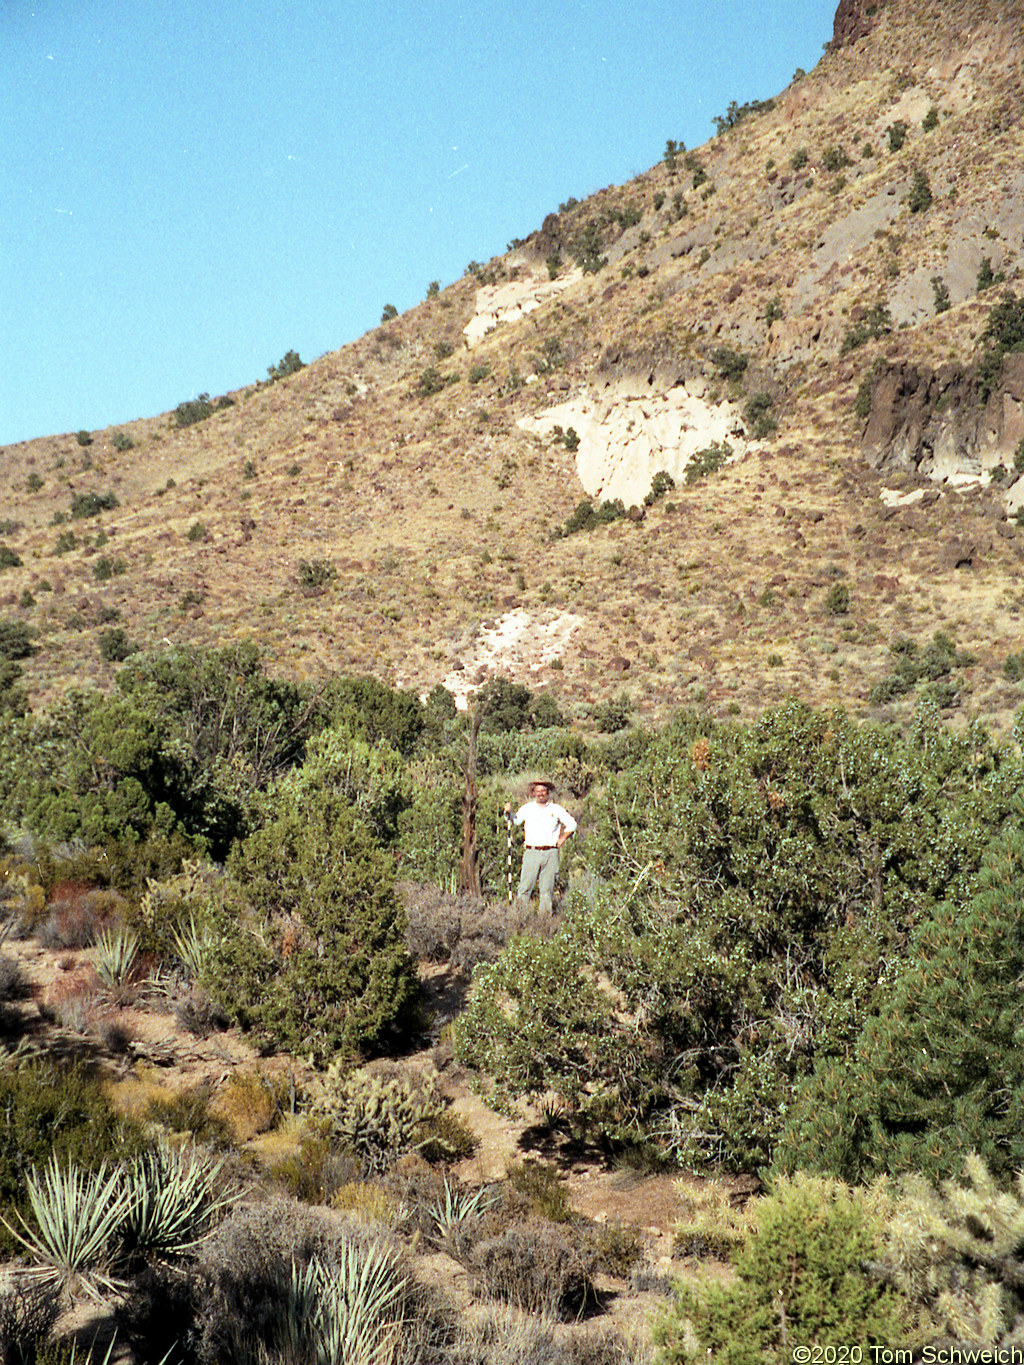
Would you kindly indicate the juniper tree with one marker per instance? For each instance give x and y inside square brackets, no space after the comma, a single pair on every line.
[938,1070]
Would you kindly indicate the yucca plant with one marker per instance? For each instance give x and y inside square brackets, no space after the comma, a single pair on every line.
[114,957]
[171,1203]
[77,1214]
[455,1206]
[192,943]
[350,1313]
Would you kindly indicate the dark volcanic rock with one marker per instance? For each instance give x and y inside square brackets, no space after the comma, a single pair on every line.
[854,18]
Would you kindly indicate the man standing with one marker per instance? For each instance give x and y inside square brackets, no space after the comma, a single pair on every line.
[547,826]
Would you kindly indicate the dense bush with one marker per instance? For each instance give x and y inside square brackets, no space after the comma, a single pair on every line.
[1003,333]
[757,881]
[937,1071]
[16,640]
[314,958]
[290,363]
[52,1110]
[91,504]
[802,1276]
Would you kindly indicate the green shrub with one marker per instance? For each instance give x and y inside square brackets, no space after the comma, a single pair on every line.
[707,461]
[837,599]
[115,646]
[16,640]
[802,1276]
[799,159]
[587,517]
[940,294]
[478,373]
[314,958]
[107,567]
[1013,667]
[938,1070]
[730,364]
[197,531]
[431,381]
[194,410]
[316,573]
[53,1110]
[736,113]
[930,120]
[613,715]
[919,199]
[290,363]
[835,159]
[987,277]
[121,441]
[662,483]
[388,312]
[91,504]
[586,249]
[1003,334]
[84,438]
[874,322]
[897,133]
[9,559]
[757,415]
[725,853]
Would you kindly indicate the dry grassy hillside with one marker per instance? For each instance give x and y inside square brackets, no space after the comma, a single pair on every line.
[402,460]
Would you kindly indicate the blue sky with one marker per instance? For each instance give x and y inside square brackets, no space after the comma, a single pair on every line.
[188,191]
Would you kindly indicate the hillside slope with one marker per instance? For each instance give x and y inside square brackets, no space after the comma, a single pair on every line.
[390,508]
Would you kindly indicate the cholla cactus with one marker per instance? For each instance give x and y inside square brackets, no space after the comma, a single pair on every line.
[377,1118]
[957,1249]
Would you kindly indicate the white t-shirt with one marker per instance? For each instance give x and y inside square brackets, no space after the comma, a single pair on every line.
[542,823]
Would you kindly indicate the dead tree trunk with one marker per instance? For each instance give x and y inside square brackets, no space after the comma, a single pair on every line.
[469,868]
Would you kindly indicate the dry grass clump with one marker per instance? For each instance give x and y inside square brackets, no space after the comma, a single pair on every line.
[250,1102]
[72,1002]
[713,1221]
[453,927]
[200,1014]
[539,1267]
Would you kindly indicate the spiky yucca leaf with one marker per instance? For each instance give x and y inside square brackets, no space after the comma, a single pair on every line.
[114,956]
[171,1202]
[77,1214]
[192,943]
[455,1205]
[347,1314]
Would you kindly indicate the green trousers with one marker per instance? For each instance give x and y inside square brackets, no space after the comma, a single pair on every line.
[540,868]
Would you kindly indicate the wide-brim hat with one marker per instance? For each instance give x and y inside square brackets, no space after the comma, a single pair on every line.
[542,782]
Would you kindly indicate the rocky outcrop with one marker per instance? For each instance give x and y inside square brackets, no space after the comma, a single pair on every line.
[933,422]
[853,19]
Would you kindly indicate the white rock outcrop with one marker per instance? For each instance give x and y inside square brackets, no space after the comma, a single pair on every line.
[509,302]
[630,430]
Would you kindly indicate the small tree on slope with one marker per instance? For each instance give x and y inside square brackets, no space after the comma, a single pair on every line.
[939,1070]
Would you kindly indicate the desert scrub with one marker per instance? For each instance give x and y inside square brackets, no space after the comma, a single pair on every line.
[54,1110]
[712,1221]
[316,959]
[91,504]
[269,1275]
[538,1268]
[377,1118]
[706,461]
[801,1276]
